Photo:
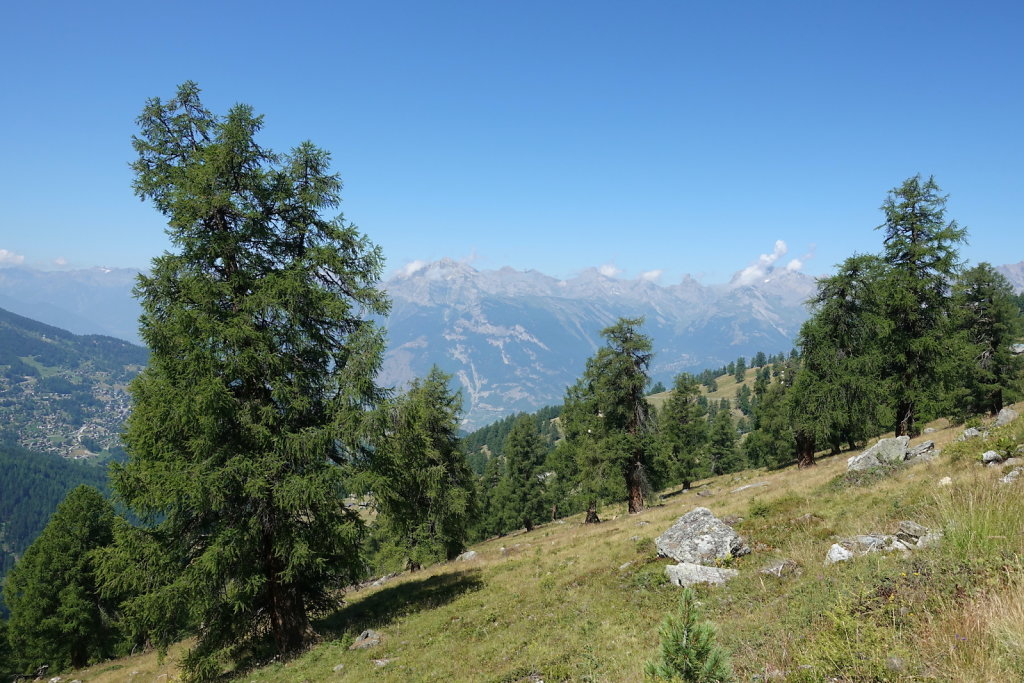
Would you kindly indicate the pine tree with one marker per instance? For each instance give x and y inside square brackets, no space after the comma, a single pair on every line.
[771,443]
[921,263]
[987,316]
[839,394]
[419,476]
[760,360]
[607,418]
[489,522]
[520,496]
[683,431]
[741,369]
[57,614]
[722,451]
[260,378]
[689,651]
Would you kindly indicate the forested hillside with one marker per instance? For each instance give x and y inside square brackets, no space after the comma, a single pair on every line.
[31,486]
[60,392]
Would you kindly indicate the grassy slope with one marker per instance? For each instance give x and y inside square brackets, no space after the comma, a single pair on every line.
[558,603]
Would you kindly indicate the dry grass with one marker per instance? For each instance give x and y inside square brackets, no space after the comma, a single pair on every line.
[562,603]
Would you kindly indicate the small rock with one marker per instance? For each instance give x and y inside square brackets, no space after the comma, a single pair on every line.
[689,574]
[924,450]
[929,430]
[338,667]
[503,550]
[837,553]
[991,456]
[808,518]
[732,520]
[929,539]
[625,565]
[56,679]
[382,662]
[1005,417]
[1015,460]
[895,664]
[886,451]
[635,538]
[782,568]
[911,532]
[467,556]
[705,493]
[368,638]
[642,523]
[970,433]
[1011,476]
[946,481]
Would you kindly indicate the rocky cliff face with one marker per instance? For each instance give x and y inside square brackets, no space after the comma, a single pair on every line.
[514,340]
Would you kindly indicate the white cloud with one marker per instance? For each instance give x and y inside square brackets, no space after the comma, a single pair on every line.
[470,258]
[9,258]
[608,270]
[412,266]
[759,268]
[794,265]
[60,261]
[651,275]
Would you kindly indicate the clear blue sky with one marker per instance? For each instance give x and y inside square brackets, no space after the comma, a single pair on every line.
[676,136]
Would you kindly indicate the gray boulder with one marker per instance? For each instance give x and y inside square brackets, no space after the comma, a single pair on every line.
[922,451]
[688,574]
[911,532]
[885,452]
[467,556]
[699,536]
[930,430]
[837,553]
[368,638]
[969,433]
[991,457]
[1011,476]
[1005,416]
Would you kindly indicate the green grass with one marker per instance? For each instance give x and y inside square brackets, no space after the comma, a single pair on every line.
[584,603]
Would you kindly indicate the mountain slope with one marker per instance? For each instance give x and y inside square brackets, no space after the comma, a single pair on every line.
[60,392]
[514,340]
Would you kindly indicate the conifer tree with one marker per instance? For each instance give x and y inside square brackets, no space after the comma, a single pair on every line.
[988,317]
[607,418]
[489,521]
[683,431]
[921,263]
[263,354]
[722,451]
[741,369]
[58,616]
[689,651]
[771,443]
[520,496]
[419,476]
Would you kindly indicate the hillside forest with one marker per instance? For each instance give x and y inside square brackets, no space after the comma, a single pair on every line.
[267,472]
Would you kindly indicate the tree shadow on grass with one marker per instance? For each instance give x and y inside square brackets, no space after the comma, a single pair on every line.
[402,599]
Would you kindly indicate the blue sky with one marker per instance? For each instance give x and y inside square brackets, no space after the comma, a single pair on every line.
[679,137]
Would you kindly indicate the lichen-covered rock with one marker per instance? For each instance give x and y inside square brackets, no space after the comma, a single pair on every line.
[688,574]
[946,481]
[885,452]
[991,457]
[368,638]
[782,568]
[911,532]
[466,556]
[922,451]
[1005,416]
[837,553]
[700,537]
[1011,476]
[970,433]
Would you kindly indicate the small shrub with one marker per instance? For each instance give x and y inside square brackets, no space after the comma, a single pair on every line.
[688,647]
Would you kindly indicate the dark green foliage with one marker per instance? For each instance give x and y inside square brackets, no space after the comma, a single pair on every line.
[921,262]
[840,395]
[519,498]
[31,487]
[771,443]
[419,476]
[658,388]
[689,651]
[682,433]
[57,615]
[741,369]
[723,454]
[607,418]
[489,442]
[489,522]
[760,360]
[744,399]
[261,374]
[986,314]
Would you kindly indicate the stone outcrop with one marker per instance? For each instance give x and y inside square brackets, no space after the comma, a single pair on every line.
[368,638]
[467,556]
[688,574]
[1005,417]
[892,451]
[909,536]
[700,537]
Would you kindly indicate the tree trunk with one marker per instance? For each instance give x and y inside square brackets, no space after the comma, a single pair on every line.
[288,618]
[528,523]
[804,450]
[635,481]
[554,511]
[905,419]
[592,513]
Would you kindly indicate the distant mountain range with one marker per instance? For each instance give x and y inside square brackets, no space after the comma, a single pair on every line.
[513,339]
